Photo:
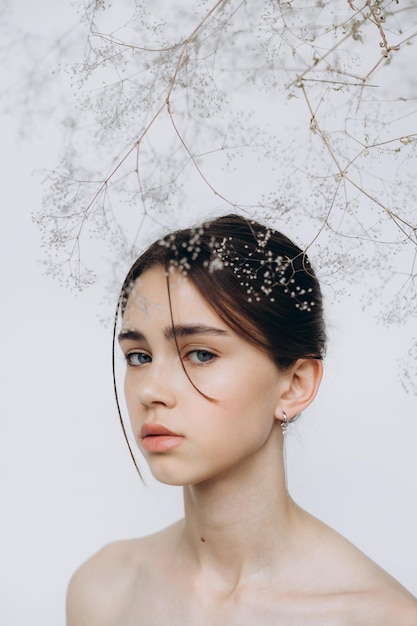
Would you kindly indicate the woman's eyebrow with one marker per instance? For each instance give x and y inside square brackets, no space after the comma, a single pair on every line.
[132,335]
[185,330]
[179,330]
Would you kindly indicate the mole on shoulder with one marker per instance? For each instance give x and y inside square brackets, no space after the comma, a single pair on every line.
[202,539]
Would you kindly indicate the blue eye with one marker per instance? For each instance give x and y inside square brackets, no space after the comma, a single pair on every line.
[198,357]
[137,358]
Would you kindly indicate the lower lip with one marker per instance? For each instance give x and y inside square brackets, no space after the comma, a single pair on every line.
[161,443]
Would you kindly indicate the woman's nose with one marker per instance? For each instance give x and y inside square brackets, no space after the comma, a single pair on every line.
[156,387]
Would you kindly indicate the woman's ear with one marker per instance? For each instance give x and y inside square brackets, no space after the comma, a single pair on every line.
[301,386]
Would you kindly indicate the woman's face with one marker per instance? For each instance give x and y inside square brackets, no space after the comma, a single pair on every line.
[188,437]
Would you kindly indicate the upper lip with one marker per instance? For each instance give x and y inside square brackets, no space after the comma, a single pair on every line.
[148,430]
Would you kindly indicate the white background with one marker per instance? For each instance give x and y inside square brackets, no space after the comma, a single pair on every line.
[67,484]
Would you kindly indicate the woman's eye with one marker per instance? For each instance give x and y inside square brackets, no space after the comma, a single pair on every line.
[197,357]
[137,358]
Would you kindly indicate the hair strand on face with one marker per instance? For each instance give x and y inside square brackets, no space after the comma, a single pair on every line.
[167,272]
[116,395]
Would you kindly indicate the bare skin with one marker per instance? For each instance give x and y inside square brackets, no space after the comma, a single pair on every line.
[245,553]
[146,582]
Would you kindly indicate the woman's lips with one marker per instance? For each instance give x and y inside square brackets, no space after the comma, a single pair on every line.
[157,438]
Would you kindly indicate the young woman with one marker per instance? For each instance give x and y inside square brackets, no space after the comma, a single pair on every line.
[222,331]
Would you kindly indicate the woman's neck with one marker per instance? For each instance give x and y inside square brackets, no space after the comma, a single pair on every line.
[242,521]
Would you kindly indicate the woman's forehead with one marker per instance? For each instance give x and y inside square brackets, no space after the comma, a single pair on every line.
[152,295]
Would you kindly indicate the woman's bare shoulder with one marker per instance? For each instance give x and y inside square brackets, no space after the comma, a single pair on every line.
[97,589]
[384,605]
[368,593]
[103,587]
[384,601]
